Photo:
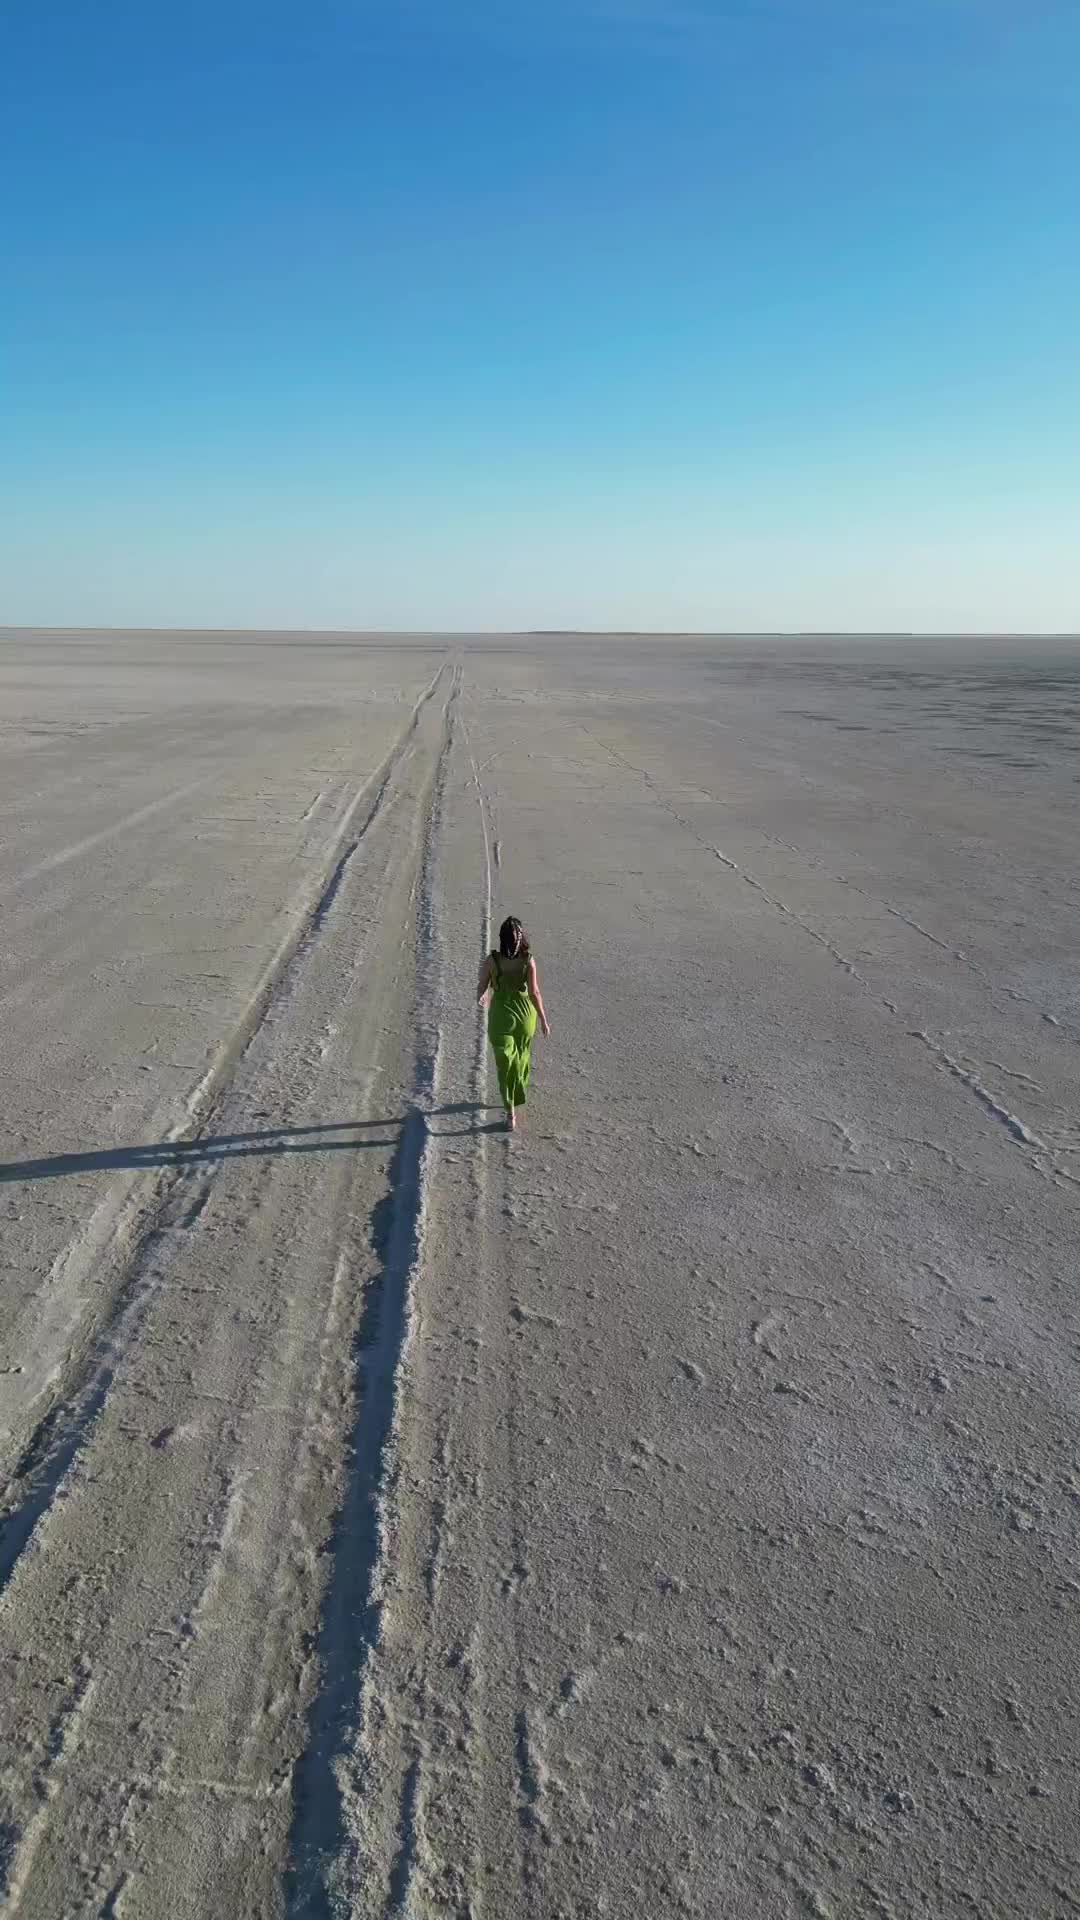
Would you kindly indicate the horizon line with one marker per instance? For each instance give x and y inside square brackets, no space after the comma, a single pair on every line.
[599,633]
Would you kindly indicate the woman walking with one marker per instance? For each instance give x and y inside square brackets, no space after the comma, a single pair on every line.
[516,1004]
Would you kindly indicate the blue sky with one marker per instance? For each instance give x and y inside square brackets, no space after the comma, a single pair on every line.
[749,315]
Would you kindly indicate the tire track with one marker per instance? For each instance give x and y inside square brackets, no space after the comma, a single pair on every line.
[492,854]
[510,1776]
[125,1228]
[258,1415]
[329,1850]
[397,1792]
[441,1858]
[444,1815]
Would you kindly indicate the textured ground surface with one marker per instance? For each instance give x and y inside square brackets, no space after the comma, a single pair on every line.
[672,1511]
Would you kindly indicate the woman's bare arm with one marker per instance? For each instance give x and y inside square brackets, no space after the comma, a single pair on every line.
[484,982]
[537,998]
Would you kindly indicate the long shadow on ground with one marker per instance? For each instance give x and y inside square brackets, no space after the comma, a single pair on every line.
[332,1136]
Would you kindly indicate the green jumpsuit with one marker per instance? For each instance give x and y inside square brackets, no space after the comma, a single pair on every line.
[511,1026]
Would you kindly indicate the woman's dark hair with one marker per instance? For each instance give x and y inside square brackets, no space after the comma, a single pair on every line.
[513,939]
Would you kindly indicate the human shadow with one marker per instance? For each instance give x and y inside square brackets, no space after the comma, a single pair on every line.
[332,1136]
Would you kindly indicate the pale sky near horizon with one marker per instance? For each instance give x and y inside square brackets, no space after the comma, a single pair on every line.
[748,314]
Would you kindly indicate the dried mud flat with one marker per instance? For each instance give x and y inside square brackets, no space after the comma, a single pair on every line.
[674,1510]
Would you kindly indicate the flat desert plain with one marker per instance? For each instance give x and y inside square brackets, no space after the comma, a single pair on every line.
[672,1510]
